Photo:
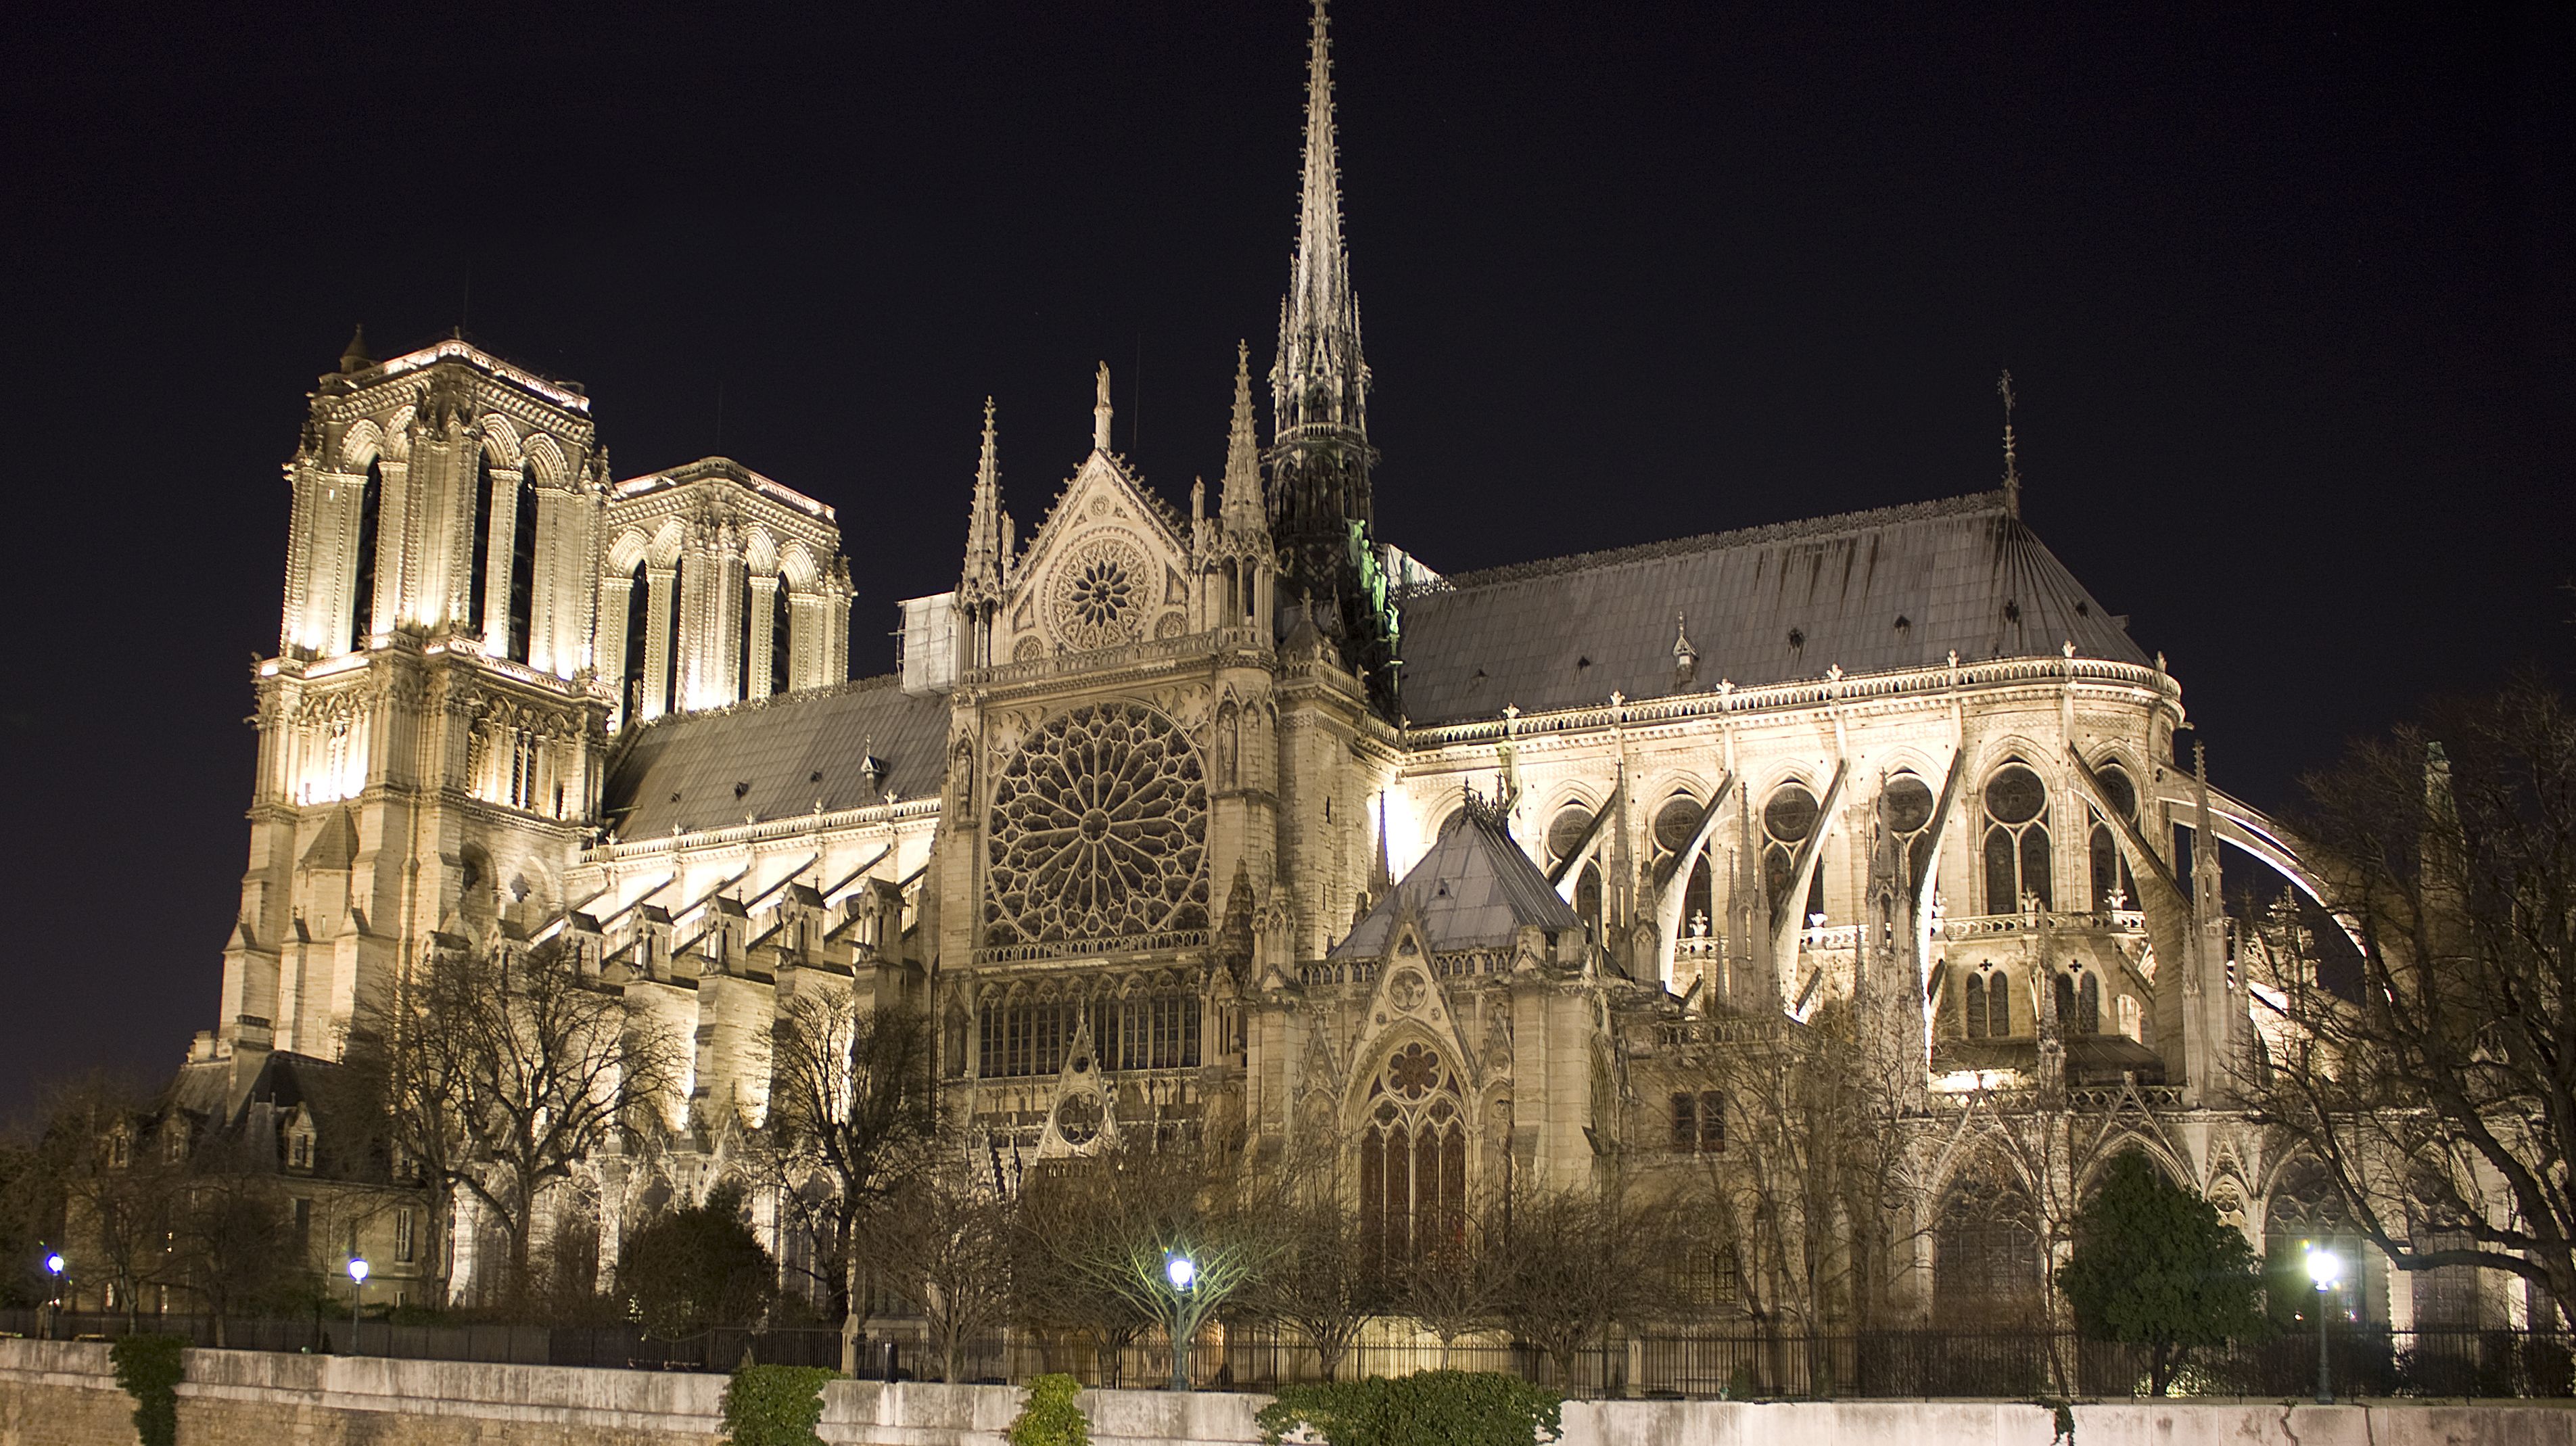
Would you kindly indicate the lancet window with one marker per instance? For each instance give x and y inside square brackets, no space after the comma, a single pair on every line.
[362,593]
[2113,885]
[1413,1160]
[1985,1249]
[2079,1002]
[778,638]
[478,566]
[523,569]
[1988,1007]
[2016,842]
[639,616]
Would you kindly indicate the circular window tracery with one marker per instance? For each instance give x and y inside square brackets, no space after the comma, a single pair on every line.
[1099,831]
[1098,595]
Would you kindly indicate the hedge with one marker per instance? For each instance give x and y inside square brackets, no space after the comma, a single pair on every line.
[1433,1408]
[150,1368]
[775,1405]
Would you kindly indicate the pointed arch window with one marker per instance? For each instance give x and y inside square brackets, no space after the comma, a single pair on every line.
[1788,820]
[1986,1266]
[1988,1010]
[1905,808]
[639,616]
[2016,842]
[1676,824]
[362,593]
[1413,1160]
[742,638]
[2079,1002]
[779,637]
[2114,887]
[523,567]
[478,566]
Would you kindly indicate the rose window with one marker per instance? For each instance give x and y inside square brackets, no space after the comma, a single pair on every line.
[1098,596]
[1099,831]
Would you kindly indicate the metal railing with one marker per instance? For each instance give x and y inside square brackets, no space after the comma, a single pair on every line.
[2366,1361]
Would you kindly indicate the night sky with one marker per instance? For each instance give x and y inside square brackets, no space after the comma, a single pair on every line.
[2286,291]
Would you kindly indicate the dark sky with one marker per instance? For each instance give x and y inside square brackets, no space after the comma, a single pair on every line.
[2286,289]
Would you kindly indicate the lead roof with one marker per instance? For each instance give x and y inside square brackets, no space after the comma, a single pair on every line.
[796,754]
[1869,592]
[1475,889]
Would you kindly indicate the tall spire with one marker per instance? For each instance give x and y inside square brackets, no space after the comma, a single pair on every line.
[1319,496]
[983,576]
[1319,379]
[1239,506]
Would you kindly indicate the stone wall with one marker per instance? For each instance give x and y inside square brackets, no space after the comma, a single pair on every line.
[62,1394]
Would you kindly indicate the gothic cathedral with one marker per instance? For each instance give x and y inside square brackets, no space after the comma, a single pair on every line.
[1236,824]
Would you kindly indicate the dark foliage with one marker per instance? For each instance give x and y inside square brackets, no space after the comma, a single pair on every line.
[2154,1265]
[695,1269]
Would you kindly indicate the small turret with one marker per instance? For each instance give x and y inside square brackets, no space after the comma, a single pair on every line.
[356,358]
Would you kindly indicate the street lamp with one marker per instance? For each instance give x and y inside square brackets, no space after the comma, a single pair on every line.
[357,1296]
[2325,1269]
[1182,1272]
[54,1268]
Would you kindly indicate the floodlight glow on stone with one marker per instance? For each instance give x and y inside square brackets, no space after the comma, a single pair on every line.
[1181,1270]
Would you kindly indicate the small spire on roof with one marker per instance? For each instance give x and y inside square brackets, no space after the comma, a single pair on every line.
[1685,657]
[356,358]
[2012,464]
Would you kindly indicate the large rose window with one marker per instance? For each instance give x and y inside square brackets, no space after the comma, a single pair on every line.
[1099,831]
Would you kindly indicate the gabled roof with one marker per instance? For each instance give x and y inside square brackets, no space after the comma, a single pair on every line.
[793,754]
[1475,889]
[1870,592]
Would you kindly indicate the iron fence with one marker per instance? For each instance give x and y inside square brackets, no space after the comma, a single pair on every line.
[2364,1361]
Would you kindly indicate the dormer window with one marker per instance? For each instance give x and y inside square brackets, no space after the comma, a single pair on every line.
[299,1150]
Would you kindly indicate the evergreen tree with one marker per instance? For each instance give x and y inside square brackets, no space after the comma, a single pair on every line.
[697,1268]
[2154,1266]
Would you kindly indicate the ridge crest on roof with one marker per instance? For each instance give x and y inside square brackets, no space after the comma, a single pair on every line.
[1966,504]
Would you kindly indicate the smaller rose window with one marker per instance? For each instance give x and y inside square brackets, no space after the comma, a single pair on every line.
[1413,1072]
[1100,593]
[1079,1119]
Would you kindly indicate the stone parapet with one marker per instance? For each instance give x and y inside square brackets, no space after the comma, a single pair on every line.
[63,1394]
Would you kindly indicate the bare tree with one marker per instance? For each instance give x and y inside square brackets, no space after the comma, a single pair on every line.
[852,1108]
[1096,1236]
[113,1180]
[1326,1275]
[2431,1070]
[504,1070]
[232,1241]
[1573,1263]
[1454,1285]
[1800,1151]
[944,1243]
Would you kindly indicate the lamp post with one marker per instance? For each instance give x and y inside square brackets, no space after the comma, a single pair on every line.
[54,1268]
[357,1296]
[1182,1272]
[2325,1269]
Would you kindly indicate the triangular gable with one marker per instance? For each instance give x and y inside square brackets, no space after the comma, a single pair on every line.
[1107,568]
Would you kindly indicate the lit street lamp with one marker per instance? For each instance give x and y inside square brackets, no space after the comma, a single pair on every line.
[357,1296]
[2325,1269]
[1182,1272]
[54,1268]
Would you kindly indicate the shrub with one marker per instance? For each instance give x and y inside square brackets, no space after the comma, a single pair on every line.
[775,1405]
[1434,1408]
[1052,1417]
[149,1368]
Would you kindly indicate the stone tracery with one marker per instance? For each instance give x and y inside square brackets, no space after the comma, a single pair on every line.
[1099,831]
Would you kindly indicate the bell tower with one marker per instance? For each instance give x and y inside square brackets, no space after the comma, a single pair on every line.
[431,728]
